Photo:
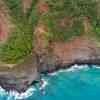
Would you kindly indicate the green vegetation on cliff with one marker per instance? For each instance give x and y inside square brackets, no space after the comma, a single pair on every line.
[19,43]
[64,19]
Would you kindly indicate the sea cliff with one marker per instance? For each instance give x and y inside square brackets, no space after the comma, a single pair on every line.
[63,55]
[42,36]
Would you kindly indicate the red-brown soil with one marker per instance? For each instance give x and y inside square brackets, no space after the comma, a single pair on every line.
[42,8]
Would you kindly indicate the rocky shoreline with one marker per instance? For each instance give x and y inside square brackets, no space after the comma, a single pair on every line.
[85,62]
[80,51]
[48,54]
[20,81]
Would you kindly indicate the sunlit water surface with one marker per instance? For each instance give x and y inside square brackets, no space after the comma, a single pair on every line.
[76,83]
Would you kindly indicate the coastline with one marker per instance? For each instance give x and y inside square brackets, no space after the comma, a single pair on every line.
[59,38]
[89,63]
[4,82]
[57,56]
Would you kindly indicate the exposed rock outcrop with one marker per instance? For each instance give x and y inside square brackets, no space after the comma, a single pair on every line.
[63,55]
[56,56]
[20,76]
[48,54]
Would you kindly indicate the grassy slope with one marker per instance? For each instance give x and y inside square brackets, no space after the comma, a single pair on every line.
[19,43]
[63,19]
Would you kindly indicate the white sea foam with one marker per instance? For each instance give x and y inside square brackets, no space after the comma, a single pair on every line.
[2,92]
[42,86]
[77,67]
[45,83]
[73,68]
[20,96]
[24,95]
[97,66]
[53,74]
[14,95]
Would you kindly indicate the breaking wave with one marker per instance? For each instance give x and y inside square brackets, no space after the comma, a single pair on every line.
[14,95]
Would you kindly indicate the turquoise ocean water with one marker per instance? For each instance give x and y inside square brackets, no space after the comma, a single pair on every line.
[76,83]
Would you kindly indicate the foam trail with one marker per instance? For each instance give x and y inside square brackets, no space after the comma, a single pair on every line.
[2,91]
[53,74]
[73,68]
[77,67]
[42,86]
[26,94]
[97,66]
[14,95]
[45,83]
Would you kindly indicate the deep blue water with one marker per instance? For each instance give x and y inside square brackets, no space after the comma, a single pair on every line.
[77,83]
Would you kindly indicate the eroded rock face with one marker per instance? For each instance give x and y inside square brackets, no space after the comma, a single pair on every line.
[56,56]
[46,57]
[19,77]
[63,55]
